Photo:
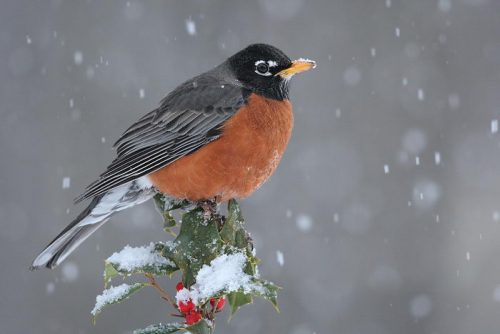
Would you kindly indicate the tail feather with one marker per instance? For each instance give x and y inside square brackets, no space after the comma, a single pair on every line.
[89,220]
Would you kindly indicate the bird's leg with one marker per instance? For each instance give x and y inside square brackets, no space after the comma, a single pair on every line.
[210,208]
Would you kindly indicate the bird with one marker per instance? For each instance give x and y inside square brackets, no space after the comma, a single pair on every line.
[219,135]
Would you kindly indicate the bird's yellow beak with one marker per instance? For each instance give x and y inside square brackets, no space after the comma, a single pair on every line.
[299,65]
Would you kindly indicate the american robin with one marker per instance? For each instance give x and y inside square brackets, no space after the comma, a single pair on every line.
[217,136]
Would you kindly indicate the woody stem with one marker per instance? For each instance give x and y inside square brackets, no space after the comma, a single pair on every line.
[161,291]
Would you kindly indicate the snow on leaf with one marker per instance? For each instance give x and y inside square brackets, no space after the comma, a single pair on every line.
[225,273]
[115,295]
[145,259]
[160,329]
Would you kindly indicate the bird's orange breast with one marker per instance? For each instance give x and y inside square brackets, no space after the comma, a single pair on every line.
[239,161]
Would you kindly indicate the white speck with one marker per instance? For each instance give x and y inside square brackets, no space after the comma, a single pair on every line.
[454,101]
[373,52]
[467,256]
[437,218]
[336,218]
[103,140]
[409,204]
[494,126]
[69,272]
[71,103]
[420,306]
[191,27]
[417,160]
[338,113]
[28,39]
[50,288]
[405,81]
[444,5]
[352,76]
[388,3]
[437,158]
[386,169]
[66,182]
[304,222]
[421,94]
[78,57]
[397,31]
[496,294]
[496,216]
[280,258]
[141,93]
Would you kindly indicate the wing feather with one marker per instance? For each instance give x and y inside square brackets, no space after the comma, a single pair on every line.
[187,119]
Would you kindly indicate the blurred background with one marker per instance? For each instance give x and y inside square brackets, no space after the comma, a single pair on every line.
[384,216]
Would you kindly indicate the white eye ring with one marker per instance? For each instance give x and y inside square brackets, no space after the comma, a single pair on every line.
[262,68]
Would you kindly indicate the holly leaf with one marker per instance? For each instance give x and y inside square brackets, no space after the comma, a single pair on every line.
[138,260]
[165,207]
[267,290]
[201,327]
[114,295]
[236,300]
[160,329]
[233,223]
[197,244]
[109,272]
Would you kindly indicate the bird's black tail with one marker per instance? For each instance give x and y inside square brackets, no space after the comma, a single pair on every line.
[94,216]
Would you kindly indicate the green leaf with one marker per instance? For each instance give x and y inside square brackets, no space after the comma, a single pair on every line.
[153,262]
[109,272]
[267,290]
[165,207]
[201,327]
[234,222]
[160,329]
[197,244]
[236,300]
[115,295]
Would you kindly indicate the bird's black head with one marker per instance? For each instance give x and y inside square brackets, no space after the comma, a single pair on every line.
[266,70]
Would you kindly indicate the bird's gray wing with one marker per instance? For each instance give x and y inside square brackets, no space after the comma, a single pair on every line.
[189,117]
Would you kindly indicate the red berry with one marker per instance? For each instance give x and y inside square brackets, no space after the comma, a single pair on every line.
[186,307]
[220,303]
[179,286]
[193,317]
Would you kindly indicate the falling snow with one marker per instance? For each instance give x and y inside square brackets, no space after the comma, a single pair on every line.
[421,94]
[191,27]
[280,258]
[304,222]
[437,158]
[494,126]
[66,182]
[78,57]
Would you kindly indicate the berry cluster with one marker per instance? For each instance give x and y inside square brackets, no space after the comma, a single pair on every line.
[188,308]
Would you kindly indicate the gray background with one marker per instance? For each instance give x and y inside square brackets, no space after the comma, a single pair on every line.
[414,250]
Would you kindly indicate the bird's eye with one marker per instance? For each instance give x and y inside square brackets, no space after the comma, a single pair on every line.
[262,68]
